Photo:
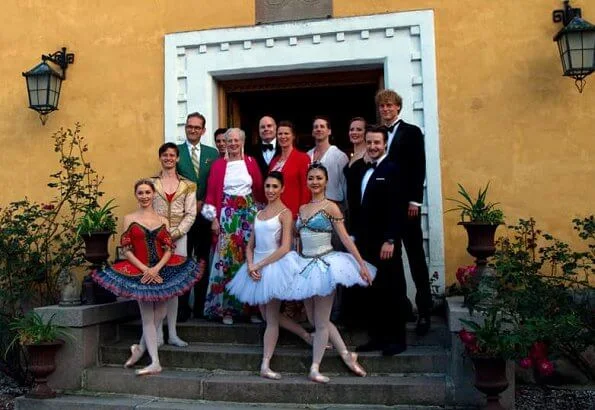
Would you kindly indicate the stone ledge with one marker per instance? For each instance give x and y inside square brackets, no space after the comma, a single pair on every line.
[455,311]
[88,315]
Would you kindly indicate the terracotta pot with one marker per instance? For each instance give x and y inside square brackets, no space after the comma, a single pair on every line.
[42,363]
[490,379]
[96,246]
[480,240]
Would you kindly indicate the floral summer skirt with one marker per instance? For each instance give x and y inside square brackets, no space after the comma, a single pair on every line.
[236,220]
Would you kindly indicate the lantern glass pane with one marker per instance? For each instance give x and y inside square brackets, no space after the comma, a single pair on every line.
[589,49]
[32,88]
[54,91]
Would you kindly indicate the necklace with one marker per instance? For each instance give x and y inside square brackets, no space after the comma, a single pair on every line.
[316,201]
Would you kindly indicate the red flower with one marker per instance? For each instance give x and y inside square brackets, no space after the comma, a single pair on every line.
[538,351]
[468,338]
[526,363]
[464,273]
[47,207]
[545,367]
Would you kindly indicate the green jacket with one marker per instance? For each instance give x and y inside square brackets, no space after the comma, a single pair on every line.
[208,155]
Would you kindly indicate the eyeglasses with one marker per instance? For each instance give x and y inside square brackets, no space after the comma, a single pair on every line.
[193,127]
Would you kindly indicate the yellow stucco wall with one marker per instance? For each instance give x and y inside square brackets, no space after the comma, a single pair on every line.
[505,112]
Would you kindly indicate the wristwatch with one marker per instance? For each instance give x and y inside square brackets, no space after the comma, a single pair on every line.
[390,241]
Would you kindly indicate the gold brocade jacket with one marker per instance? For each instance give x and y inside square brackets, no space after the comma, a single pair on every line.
[181,211]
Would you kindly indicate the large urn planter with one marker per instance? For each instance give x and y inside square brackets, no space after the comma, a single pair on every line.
[481,242]
[42,363]
[490,379]
[96,252]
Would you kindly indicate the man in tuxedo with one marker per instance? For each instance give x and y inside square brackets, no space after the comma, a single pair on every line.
[267,148]
[373,195]
[406,150]
[194,164]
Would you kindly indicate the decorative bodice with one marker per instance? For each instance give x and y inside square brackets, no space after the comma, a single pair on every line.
[148,245]
[315,233]
[267,235]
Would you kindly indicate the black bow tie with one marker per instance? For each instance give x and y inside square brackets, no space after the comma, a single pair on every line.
[392,127]
[371,165]
[267,147]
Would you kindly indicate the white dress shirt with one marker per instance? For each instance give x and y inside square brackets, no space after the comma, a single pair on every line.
[391,135]
[269,154]
[368,175]
[334,160]
[190,146]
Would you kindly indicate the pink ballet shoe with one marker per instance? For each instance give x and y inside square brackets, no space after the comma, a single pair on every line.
[316,377]
[269,374]
[149,370]
[136,353]
[350,360]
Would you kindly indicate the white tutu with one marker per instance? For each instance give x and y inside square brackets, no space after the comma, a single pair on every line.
[320,276]
[276,278]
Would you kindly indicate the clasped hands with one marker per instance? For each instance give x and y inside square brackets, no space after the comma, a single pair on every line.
[151,276]
[254,272]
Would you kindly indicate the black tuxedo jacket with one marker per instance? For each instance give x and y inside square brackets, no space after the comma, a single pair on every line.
[408,153]
[256,152]
[375,218]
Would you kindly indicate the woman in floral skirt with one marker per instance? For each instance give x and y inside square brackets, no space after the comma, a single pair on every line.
[233,189]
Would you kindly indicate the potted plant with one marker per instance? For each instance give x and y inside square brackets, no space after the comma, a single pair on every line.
[480,219]
[41,341]
[95,227]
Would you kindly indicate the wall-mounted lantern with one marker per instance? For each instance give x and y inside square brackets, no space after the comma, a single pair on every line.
[44,82]
[576,44]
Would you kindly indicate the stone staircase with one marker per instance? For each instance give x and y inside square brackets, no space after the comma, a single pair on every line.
[221,364]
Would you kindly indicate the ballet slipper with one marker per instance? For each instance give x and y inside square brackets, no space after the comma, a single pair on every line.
[136,353]
[153,368]
[315,376]
[269,374]
[176,341]
[350,360]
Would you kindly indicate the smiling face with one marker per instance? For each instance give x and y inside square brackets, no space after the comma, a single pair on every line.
[320,130]
[234,144]
[195,128]
[389,112]
[273,188]
[316,180]
[168,159]
[375,145]
[144,195]
[357,131]
[267,129]
[285,137]
[220,143]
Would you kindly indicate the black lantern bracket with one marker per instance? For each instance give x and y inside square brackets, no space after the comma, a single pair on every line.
[566,14]
[61,58]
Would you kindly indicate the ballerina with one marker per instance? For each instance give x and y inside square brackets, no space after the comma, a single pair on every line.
[321,269]
[151,274]
[267,273]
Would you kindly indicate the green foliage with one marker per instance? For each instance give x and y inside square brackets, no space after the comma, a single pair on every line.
[31,329]
[39,240]
[541,292]
[477,209]
[97,219]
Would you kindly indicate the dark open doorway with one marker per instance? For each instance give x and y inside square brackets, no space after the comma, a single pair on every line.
[337,95]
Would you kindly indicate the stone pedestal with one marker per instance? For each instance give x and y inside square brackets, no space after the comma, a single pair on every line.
[460,370]
[88,326]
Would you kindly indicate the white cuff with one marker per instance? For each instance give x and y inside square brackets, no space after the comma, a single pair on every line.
[414,203]
[209,212]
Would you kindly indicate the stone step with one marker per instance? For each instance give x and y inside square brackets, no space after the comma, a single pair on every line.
[210,356]
[416,389]
[84,400]
[200,330]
